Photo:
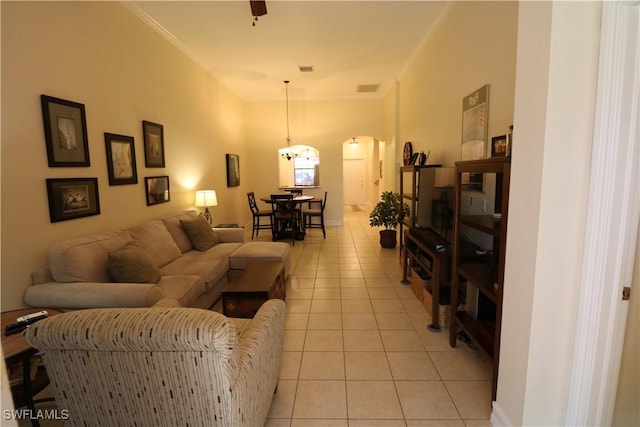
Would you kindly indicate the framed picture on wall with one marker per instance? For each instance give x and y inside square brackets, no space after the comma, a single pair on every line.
[157,189]
[475,114]
[71,198]
[233,170]
[121,159]
[65,132]
[153,144]
[499,146]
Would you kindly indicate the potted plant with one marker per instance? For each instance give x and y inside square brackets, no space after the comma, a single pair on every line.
[388,213]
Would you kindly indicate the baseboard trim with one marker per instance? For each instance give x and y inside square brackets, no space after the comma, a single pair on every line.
[498,417]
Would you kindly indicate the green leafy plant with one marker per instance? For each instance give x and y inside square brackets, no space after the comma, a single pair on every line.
[389,211]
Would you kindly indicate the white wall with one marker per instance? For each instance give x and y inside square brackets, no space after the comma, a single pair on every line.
[100,55]
[555,95]
[474,45]
[323,124]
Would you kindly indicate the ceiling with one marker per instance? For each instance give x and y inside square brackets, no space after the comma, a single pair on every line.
[348,43]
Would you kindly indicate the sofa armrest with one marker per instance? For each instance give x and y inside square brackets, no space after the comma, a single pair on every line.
[230,235]
[77,295]
[260,358]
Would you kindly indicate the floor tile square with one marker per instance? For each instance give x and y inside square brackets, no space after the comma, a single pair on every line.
[296,320]
[401,341]
[293,340]
[322,365]
[325,321]
[326,293]
[373,400]
[351,274]
[299,294]
[411,365]
[363,340]
[324,341]
[320,399]
[387,305]
[354,293]
[472,398]
[425,400]
[352,283]
[298,305]
[458,365]
[282,403]
[325,306]
[327,283]
[290,365]
[357,306]
[318,422]
[394,321]
[367,365]
[359,321]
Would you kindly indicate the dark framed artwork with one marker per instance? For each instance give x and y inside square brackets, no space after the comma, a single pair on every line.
[71,198]
[233,170]
[121,159]
[499,146]
[65,132]
[153,144]
[157,189]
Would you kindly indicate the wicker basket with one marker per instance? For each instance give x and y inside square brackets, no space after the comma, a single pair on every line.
[418,283]
[444,312]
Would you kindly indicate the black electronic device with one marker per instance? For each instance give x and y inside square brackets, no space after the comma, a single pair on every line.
[23,322]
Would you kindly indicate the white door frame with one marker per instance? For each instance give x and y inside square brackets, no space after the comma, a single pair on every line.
[612,221]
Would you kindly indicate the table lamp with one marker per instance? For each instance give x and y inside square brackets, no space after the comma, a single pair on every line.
[206,198]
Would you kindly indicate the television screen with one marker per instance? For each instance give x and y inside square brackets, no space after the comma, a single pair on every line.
[435,201]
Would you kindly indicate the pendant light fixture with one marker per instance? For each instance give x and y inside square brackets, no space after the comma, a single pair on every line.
[287,152]
[353,142]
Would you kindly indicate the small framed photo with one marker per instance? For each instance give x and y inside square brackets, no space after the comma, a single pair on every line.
[71,198]
[499,146]
[121,159]
[233,170]
[157,189]
[153,144]
[65,132]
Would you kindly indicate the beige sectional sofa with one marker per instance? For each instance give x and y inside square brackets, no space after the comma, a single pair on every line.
[80,272]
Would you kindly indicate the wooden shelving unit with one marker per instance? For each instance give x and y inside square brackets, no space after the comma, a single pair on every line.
[484,273]
[422,249]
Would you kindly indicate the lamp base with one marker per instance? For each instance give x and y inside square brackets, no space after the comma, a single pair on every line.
[207,216]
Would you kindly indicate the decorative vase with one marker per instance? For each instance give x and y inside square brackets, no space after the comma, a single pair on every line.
[388,239]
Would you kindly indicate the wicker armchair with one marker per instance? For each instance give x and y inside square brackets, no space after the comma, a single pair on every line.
[163,365]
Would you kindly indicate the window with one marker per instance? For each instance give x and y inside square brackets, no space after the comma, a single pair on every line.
[299,166]
[304,171]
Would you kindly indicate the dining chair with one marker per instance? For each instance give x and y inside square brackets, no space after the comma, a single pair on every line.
[310,213]
[295,191]
[286,217]
[257,215]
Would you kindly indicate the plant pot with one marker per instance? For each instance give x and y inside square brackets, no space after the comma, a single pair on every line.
[388,238]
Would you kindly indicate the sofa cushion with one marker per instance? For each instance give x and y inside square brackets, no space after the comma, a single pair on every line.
[153,237]
[183,288]
[85,259]
[177,232]
[211,265]
[131,264]
[200,233]
[259,252]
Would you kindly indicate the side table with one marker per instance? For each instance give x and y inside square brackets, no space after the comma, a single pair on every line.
[16,350]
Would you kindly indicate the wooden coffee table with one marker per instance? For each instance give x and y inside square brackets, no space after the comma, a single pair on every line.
[259,282]
[17,351]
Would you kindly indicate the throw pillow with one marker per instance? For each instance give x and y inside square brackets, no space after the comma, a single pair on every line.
[200,233]
[131,264]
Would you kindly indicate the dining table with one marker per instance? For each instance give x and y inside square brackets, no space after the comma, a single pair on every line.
[296,202]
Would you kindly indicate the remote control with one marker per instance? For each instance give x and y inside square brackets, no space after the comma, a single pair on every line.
[14,328]
[31,316]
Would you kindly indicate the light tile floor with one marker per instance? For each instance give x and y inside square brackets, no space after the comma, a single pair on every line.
[356,348]
[357,351]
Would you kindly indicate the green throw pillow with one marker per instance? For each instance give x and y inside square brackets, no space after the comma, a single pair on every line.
[131,264]
[200,233]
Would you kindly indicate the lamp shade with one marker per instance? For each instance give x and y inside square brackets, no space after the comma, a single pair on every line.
[206,198]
